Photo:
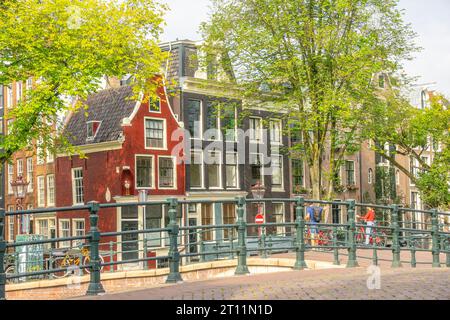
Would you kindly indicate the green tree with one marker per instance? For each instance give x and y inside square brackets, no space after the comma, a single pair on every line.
[420,135]
[315,61]
[67,47]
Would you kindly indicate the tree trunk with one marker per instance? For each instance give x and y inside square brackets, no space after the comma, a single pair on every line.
[314,171]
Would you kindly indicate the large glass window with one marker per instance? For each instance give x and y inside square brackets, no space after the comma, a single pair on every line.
[275,131]
[277,171]
[166,172]
[213,169]
[144,172]
[229,122]
[256,168]
[196,169]
[278,211]
[10,178]
[297,174]
[64,232]
[212,121]
[154,133]
[77,186]
[255,129]
[20,168]
[350,170]
[231,168]
[194,118]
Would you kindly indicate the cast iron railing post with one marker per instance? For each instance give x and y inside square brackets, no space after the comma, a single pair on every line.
[412,246]
[111,256]
[201,247]
[374,253]
[396,263]
[2,255]
[300,263]
[263,243]
[336,261]
[95,285]
[241,247]
[174,256]
[435,238]
[447,248]
[352,262]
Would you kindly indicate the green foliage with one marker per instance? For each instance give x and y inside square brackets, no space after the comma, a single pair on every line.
[313,60]
[67,47]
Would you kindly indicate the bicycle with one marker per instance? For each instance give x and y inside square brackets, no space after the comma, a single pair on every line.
[380,237]
[323,238]
[72,258]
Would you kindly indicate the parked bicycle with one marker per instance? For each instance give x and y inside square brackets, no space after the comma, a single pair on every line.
[324,238]
[72,258]
[376,235]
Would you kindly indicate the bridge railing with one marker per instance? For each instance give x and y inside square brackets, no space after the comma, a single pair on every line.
[97,252]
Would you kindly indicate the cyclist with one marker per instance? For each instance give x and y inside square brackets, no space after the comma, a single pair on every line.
[370,222]
[314,216]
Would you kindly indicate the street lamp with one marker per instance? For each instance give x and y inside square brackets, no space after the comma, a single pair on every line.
[20,191]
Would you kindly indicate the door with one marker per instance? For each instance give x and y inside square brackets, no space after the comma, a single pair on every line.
[130,242]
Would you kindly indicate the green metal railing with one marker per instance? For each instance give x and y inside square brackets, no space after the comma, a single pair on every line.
[180,245]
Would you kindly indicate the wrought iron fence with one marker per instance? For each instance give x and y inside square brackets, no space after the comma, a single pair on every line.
[97,252]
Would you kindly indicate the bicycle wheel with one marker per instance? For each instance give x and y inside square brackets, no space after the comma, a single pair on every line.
[11,270]
[60,263]
[87,260]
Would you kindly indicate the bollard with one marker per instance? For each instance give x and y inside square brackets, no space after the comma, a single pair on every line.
[395,238]
[95,285]
[241,247]
[336,261]
[435,239]
[2,255]
[351,229]
[300,263]
[174,256]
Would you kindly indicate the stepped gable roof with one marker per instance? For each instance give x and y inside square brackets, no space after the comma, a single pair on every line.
[109,107]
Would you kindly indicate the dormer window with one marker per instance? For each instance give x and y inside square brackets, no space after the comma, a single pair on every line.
[155,104]
[92,129]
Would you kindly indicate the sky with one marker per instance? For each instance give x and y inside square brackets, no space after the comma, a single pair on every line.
[429,19]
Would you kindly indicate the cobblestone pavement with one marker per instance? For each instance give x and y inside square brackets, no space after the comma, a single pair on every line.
[403,283]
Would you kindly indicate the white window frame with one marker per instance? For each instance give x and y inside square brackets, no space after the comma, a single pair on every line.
[88,123]
[19,91]
[30,176]
[279,188]
[40,187]
[164,147]
[74,189]
[9,96]
[236,187]
[370,176]
[64,244]
[202,169]
[150,103]
[74,228]
[220,164]
[20,168]
[280,131]
[50,203]
[354,171]
[29,84]
[174,173]
[153,171]
[281,230]
[10,178]
[256,134]
[39,153]
[397,177]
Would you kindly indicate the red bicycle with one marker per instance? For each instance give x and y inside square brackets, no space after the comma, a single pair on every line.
[323,238]
[377,236]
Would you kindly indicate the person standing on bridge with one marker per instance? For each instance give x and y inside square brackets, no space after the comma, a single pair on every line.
[314,216]
[370,222]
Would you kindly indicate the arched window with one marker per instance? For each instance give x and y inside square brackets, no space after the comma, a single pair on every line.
[370,176]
